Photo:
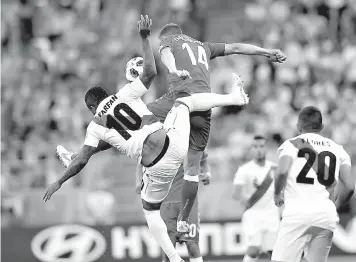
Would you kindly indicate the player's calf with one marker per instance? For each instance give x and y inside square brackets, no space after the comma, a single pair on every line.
[194,251]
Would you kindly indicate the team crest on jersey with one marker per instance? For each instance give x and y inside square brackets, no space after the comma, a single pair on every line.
[107,105]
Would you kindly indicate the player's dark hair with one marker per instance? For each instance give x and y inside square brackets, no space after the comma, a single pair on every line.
[170,29]
[311,119]
[95,94]
[259,137]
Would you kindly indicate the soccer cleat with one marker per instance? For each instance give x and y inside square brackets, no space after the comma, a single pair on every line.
[183,227]
[64,155]
[237,89]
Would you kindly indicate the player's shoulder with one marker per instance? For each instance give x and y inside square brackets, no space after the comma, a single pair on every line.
[246,166]
[104,105]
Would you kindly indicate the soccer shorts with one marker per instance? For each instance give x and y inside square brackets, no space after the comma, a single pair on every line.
[199,121]
[295,237]
[157,179]
[260,233]
[170,212]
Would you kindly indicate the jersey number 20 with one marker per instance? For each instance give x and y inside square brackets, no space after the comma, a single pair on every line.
[113,123]
[202,59]
[320,169]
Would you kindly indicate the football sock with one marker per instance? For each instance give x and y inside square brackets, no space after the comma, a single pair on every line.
[189,193]
[206,101]
[198,259]
[159,232]
[247,258]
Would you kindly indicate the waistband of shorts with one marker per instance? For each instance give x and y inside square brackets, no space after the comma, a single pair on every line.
[161,155]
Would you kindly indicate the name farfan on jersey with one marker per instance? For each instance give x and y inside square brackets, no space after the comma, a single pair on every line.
[107,105]
[315,142]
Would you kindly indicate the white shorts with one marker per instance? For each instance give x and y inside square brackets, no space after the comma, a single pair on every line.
[260,233]
[294,238]
[157,180]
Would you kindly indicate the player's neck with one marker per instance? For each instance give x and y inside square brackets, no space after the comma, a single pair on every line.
[260,162]
[313,131]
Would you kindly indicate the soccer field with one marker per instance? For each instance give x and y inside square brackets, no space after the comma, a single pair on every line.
[331,259]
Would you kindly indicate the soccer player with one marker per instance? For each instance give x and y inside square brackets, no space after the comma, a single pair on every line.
[189,59]
[253,186]
[123,121]
[310,168]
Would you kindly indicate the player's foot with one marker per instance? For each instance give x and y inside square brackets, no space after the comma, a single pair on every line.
[183,227]
[64,155]
[237,90]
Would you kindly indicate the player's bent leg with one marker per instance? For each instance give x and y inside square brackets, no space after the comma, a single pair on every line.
[194,251]
[190,182]
[319,246]
[159,232]
[252,254]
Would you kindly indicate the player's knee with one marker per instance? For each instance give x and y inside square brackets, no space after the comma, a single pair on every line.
[193,249]
[253,252]
[150,206]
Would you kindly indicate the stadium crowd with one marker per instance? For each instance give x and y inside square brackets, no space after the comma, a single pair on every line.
[52,51]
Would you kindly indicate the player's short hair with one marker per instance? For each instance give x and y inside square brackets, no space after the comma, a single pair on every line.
[170,29]
[95,94]
[310,118]
[259,137]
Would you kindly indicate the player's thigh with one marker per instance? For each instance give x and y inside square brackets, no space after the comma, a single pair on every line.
[200,130]
[156,183]
[268,240]
[291,241]
[169,214]
[161,106]
[192,162]
[194,223]
[319,246]
[251,232]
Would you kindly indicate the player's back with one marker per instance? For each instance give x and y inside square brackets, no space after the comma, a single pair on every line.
[193,56]
[313,175]
[124,121]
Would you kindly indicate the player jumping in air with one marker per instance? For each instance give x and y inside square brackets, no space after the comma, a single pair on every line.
[253,186]
[159,148]
[310,168]
[189,59]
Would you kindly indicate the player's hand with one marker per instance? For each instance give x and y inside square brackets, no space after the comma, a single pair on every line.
[205,178]
[50,191]
[277,56]
[183,74]
[279,199]
[144,26]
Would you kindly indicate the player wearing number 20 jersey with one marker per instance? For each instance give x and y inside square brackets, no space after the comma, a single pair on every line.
[310,168]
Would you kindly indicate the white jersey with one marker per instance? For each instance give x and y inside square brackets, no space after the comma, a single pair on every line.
[124,121]
[312,176]
[251,176]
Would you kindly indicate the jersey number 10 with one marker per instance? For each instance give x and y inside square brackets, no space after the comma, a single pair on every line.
[202,59]
[320,169]
[113,123]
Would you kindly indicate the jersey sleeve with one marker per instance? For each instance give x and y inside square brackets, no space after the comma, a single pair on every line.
[133,90]
[166,42]
[92,136]
[287,149]
[216,49]
[345,158]
[239,178]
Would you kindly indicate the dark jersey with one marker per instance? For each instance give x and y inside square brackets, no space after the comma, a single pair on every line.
[193,56]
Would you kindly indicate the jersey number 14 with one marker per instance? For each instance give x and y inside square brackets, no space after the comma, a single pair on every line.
[320,169]
[202,58]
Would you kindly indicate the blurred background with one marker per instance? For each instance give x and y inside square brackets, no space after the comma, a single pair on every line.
[54,50]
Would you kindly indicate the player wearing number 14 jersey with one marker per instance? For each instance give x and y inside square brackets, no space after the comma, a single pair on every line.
[312,180]
[188,62]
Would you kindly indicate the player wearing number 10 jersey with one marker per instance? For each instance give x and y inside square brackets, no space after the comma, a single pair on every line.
[188,62]
[310,168]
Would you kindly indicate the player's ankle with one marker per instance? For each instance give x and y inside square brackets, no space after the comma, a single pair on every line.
[247,258]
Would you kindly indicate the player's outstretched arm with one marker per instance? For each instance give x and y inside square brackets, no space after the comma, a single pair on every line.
[280,179]
[347,186]
[274,55]
[149,64]
[73,169]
